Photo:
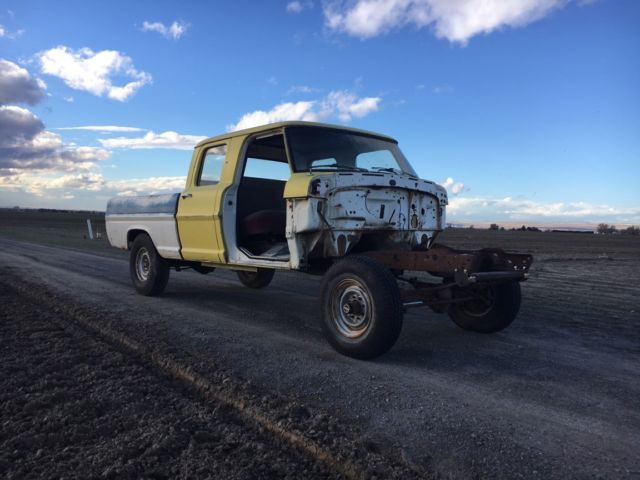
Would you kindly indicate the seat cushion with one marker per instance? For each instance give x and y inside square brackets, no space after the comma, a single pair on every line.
[264,222]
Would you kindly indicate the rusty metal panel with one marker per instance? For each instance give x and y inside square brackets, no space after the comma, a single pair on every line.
[445,261]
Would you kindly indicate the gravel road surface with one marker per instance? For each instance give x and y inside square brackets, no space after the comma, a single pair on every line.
[554,396]
[73,406]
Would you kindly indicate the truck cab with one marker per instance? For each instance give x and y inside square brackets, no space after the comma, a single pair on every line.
[284,196]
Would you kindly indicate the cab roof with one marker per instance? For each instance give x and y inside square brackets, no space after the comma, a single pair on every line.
[277,125]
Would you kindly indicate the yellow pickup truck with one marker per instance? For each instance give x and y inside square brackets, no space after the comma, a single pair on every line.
[326,200]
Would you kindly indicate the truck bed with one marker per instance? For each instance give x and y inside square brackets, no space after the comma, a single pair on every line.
[153,214]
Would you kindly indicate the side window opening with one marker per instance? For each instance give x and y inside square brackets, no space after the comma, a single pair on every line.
[266,169]
[261,208]
[211,166]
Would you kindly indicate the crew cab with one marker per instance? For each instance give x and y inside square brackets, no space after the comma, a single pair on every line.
[324,200]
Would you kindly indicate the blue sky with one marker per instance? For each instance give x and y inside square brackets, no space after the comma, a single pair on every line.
[527,111]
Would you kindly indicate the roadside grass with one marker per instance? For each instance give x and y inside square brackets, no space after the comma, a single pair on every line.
[60,229]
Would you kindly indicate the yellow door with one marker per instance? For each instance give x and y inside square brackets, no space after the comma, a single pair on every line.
[198,216]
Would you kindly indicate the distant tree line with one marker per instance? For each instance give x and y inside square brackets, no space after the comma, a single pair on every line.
[606,229]
[603,228]
[523,228]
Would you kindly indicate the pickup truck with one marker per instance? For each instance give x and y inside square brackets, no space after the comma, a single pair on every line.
[324,200]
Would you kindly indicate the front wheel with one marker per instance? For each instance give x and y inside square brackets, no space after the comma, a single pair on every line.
[149,271]
[491,307]
[362,307]
[258,279]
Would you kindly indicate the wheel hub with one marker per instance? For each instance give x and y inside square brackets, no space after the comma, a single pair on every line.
[143,264]
[482,303]
[352,308]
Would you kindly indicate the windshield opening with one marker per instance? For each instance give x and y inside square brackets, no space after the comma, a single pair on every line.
[324,149]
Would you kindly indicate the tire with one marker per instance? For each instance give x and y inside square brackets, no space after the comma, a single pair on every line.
[495,309]
[149,271]
[256,280]
[361,307]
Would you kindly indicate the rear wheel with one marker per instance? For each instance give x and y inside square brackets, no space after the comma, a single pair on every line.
[149,271]
[259,279]
[493,307]
[362,308]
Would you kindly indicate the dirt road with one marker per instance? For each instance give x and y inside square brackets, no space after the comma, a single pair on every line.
[554,396]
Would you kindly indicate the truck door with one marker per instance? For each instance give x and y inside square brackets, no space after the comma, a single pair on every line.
[198,214]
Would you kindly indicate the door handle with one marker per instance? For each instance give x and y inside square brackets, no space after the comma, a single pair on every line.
[186,195]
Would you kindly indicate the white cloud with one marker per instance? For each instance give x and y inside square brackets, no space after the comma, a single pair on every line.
[18,86]
[4,33]
[173,31]
[104,128]
[90,181]
[442,89]
[455,20]
[146,186]
[521,209]
[279,113]
[94,72]
[339,103]
[453,186]
[171,140]
[297,6]
[303,89]
[348,104]
[39,184]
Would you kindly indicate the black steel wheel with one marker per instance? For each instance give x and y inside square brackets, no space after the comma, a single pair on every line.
[258,279]
[362,309]
[491,308]
[149,271]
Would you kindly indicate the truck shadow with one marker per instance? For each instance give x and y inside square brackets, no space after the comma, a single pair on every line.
[429,343]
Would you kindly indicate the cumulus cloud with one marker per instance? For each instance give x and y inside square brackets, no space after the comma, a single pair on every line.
[173,31]
[297,6]
[347,105]
[342,104]
[33,159]
[26,145]
[172,140]
[104,128]
[146,186]
[40,184]
[452,186]
[18,86]
[454,20]
[94,72]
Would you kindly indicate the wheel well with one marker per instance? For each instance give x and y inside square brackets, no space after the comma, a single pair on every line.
[132,235]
